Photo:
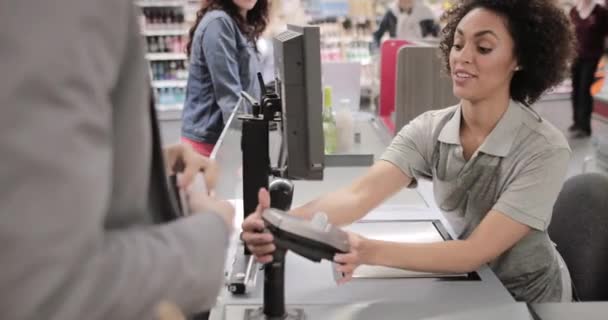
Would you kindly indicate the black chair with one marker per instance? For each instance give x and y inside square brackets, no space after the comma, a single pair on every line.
[580,229]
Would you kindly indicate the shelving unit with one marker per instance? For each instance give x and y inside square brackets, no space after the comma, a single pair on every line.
[166,56]
[353,45]
[164,24]
[165,32]
[169,83]
[160,3]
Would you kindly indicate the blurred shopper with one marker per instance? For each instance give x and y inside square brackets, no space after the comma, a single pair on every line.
[407,19]
[591,25]
[280,14]
[223,62]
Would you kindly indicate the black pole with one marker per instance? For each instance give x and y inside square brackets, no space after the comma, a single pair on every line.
[274,286]
[256,163]
[281,195]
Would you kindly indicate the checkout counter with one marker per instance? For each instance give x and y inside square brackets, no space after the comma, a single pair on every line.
[376,294]
[312,287]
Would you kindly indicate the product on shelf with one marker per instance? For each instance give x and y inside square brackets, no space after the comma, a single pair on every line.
[345,41]
[166,44]
[169,98]
[169,70]
[163,23]
[165,18]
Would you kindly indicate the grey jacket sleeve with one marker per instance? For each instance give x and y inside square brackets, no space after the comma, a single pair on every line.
[220,50]
[57,260]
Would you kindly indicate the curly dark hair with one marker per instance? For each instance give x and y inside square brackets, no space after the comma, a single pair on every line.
[252,27]
[542,34]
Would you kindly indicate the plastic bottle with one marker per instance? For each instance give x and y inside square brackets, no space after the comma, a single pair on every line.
[344,127]
[153,45]
[329,122]
[173,70]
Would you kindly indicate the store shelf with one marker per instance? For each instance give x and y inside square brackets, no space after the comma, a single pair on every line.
[169,83]
[160,3]
[169,107]
[165,56]
[169,115]
[165,32]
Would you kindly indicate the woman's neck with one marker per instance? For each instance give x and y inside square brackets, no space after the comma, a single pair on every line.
[480,117]
[243,13]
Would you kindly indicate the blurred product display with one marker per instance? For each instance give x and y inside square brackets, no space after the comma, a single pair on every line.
[164,24]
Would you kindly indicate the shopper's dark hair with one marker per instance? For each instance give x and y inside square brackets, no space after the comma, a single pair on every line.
[543,38]
[252,27]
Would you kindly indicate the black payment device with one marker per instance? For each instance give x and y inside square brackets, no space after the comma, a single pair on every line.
[314,239]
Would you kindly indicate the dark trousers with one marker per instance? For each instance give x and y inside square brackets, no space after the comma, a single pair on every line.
[583,76]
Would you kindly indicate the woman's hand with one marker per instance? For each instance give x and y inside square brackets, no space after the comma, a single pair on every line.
[261,244]
[184,159]
[348,262]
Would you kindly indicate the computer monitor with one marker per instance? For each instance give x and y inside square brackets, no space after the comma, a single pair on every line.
[297,58]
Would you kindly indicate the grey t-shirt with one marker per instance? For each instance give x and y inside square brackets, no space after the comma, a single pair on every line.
[517,171]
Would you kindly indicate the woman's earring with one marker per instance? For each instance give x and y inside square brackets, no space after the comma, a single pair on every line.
[518,68]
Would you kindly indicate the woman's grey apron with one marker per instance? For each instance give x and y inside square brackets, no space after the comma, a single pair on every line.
[467,195]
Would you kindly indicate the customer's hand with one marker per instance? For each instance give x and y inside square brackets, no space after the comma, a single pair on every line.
[261,244]
[200,201]
[168,311]
[348,262]
[184,159]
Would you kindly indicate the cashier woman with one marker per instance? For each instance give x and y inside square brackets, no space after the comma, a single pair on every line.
[496,166]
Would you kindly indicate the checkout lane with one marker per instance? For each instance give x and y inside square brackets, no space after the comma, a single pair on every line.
[313,285]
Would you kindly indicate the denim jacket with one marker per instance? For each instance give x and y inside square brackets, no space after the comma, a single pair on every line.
[222,64]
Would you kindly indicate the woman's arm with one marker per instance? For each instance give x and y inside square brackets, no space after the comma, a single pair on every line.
[353,202]
[496,234]
[405,158]
[407,155]
[526,204]
[342,207]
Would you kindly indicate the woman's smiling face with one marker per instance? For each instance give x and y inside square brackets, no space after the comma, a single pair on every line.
[482,60]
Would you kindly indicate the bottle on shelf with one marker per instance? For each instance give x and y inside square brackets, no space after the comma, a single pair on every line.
[162,44]
[161,70]
[152,44]
[182,72]
[155,71]
[169,18]
[173,70]
[180,18]
[162,97]
[345,136]
[155,17]
[167,41]
[329,122]
[176,43]
[162,18]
